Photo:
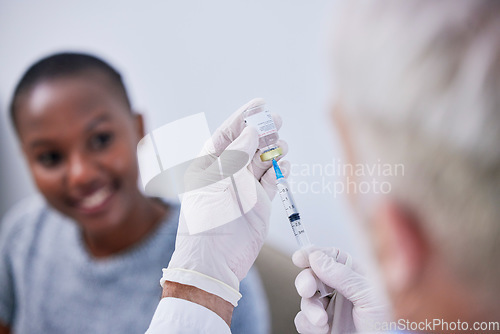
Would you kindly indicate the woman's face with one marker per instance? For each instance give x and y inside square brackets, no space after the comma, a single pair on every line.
[79,139]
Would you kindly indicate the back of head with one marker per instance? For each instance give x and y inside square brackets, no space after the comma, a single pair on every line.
[419,82]
[65,65]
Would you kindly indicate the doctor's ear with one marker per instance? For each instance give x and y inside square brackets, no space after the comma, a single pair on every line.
[401,246]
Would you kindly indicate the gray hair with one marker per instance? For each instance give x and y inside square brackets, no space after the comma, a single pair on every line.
[419,83]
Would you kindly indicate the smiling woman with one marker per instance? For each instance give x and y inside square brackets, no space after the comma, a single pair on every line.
[79,138]
[94,245]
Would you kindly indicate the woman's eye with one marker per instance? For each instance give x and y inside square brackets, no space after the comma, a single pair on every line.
[101,140]
[49,159]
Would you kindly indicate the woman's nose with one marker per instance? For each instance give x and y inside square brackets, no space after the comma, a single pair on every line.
[82,171]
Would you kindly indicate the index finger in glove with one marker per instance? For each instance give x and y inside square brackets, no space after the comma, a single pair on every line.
[208,170]
[338,276]
[238,154]
[232,128]
[301,257]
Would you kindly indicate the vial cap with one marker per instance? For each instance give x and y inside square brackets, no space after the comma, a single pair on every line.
[271,154]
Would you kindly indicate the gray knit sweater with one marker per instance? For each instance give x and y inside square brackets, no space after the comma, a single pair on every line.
[50,284]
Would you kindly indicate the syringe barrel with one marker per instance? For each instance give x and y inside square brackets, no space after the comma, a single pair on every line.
[300,233]
[297,227]
[286,197]
[292,213]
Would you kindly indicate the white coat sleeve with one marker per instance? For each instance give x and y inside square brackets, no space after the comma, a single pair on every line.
[179,316]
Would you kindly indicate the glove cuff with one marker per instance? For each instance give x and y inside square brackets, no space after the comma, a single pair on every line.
[201,281]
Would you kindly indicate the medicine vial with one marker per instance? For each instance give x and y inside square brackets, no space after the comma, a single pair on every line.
[260,118]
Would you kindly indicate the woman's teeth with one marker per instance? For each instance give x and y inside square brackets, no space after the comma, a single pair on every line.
[96,199]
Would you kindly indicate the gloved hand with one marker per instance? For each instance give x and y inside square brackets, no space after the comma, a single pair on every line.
[225,210]
[329,266]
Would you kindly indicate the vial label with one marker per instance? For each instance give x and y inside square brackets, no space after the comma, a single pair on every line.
[263,122]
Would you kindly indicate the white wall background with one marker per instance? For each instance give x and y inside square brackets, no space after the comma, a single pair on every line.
[182,57]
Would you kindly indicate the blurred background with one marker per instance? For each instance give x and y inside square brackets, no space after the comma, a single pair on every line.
[179,58]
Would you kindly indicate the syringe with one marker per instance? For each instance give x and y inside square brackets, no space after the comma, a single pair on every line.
[294,218]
